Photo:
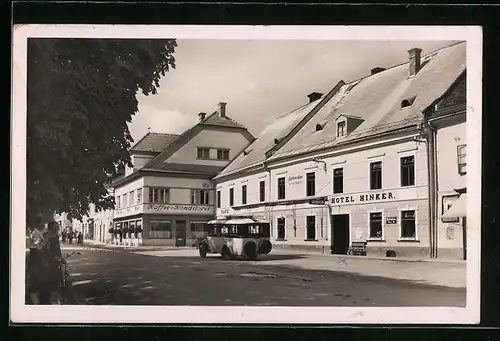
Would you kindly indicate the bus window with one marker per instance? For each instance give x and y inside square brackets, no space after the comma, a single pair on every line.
[265,230]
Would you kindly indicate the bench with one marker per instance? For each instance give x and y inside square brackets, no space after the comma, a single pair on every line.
[358,248]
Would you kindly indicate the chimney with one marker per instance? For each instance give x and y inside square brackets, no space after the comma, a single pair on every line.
[222,109]
[377,70]
[202,116]
[314,96]
[414,56]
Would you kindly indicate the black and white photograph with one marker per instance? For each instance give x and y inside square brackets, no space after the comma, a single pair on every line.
[246,174]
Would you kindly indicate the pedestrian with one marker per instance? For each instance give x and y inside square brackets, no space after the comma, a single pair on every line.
[70,236]
[63,236]
[80,238]
[43,262]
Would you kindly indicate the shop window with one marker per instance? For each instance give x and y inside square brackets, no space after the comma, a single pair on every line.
[218,199]
[376,225]
[376,175]
[338,180]
[281,188]
[243,194]
[222,154]
[199,229]
[407,171]
[203,153]
[200,197]
[281,228]
[311,184]
[262,191]
[231,197]
[159,195]
[462,159]
[408,227]
[311,227]
[160,230]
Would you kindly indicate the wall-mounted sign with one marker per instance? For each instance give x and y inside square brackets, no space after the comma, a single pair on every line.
[177,208]
[391,220]
[225,211]
[295,179]
[450,233]
[362,198]
[137,209]
[317,201]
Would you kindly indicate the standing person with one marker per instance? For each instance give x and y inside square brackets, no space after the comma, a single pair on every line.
[63,235]
[70,236]
[43,264]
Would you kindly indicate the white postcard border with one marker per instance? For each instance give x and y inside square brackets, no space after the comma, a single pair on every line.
[21,313]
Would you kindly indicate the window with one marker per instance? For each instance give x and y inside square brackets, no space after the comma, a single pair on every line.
[231,197]
[281,188]
[243,194]
[448,201]
[198,229]
[117,201]
[376,225]
[131,197]
[408,227]
[218,199]
[462,161]
[124,200]
[139,196]
[262,191]
[222,154]
[203,153]
[281,228]
[407,171]
[311,227]
[341,129]
[200,197]
[338,180]
[160,230]
[158,195]
[376,175]
[310,184]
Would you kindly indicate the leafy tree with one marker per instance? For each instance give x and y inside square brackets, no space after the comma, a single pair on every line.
[81,93]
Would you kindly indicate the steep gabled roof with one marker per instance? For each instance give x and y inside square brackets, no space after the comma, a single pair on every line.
[214,120]
[278,133]
[154,142]
[217,120]
[377,100]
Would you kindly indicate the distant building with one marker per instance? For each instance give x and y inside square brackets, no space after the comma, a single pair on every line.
[168,193]
[352,165]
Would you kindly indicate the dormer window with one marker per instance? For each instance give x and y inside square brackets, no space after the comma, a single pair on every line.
[407,102]
[341,129]
[276,141]
[319,127]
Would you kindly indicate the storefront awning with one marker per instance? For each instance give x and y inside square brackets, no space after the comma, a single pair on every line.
[237,221]
[458,209]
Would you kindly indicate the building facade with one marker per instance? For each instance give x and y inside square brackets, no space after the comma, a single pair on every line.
[168,195]
[447,120]
[350,165]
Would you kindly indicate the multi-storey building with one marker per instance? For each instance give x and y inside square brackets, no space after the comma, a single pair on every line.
[168,193]
[351,165]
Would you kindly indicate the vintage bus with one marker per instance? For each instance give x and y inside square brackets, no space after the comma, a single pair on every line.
[235,237]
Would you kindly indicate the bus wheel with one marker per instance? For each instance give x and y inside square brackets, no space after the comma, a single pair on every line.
[250,250]
[203,251]
[226,254]
[265,247]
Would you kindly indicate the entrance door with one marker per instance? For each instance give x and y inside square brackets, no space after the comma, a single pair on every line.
[180,233]
[340,234]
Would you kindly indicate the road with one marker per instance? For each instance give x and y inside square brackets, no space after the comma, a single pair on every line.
[103,277]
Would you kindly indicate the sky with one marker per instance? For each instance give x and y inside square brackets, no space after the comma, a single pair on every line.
[258,79]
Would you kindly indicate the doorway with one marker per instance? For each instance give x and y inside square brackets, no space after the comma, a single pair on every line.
[340,234]
[180,233]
